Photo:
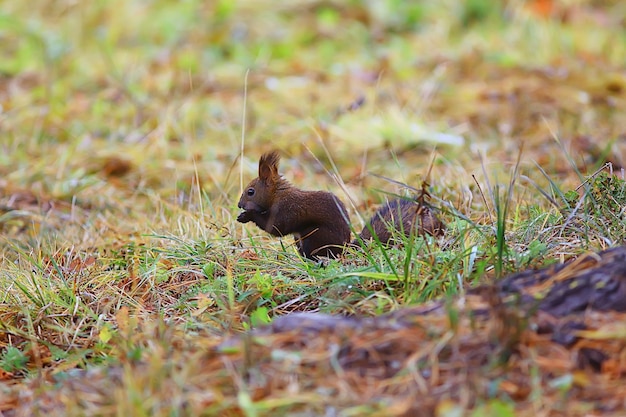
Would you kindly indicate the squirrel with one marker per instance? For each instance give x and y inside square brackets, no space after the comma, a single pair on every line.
[318,219]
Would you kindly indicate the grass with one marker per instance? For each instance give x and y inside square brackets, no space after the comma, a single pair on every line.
[123,268]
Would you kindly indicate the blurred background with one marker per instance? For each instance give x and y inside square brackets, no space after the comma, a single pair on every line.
[133,104]
[127,128]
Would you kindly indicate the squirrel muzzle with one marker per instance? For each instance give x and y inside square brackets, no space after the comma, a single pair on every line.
[248,208]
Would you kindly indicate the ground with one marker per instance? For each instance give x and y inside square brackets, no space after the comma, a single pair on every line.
[129,129]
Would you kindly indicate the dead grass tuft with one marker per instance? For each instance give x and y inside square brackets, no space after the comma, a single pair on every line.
[128,288]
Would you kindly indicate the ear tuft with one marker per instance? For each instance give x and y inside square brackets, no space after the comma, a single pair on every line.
[268,166]
[270,158]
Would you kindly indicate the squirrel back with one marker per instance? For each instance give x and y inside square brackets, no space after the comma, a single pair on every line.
[318,219]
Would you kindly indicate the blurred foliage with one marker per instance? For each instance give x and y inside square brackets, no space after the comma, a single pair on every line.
[122,124]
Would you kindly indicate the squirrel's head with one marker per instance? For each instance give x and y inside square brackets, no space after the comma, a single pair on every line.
[260,192]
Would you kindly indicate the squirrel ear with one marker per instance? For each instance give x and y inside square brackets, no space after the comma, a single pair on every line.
[268,166]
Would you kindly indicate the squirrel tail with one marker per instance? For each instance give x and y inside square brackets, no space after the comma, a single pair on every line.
[405,216]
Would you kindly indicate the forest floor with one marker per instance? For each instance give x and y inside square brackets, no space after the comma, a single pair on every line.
[128,129]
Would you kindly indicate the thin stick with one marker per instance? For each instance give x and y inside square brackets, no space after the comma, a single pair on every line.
[243,129]
[480,190]
[335,174]
[592,176]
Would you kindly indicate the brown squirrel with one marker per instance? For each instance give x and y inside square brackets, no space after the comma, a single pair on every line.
[318,219]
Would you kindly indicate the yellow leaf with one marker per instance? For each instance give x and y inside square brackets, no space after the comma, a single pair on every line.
[121,317]
[606,332]
[204,302]
[105,334]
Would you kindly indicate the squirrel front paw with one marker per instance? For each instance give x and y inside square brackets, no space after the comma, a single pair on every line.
[245,216]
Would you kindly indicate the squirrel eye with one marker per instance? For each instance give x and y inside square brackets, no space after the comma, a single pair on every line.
[250,192]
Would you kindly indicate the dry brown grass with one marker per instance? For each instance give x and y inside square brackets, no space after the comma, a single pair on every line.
[124,274]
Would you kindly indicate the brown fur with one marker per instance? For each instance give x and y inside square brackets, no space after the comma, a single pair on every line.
[317,219]
[402,216]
